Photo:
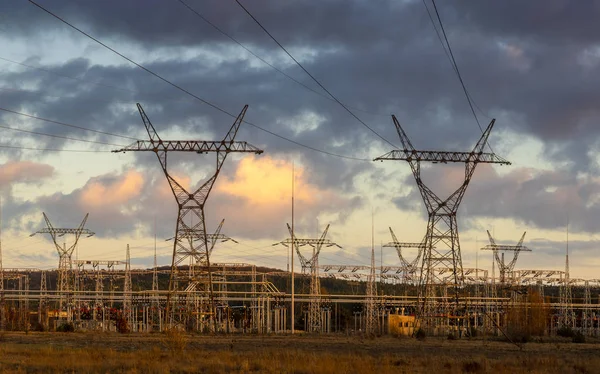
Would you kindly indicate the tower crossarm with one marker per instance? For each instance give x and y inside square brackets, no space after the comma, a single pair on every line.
[499,247]
[62,232]
[442,157]
[399,245]
[58,232]
[317,244]
[197,146]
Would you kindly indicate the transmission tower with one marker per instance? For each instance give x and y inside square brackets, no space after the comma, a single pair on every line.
[371,320]
[442,245]
[566,317]
[127,291]
[2,300]
[499,249]
[409,266]
[314,322]
[64,253]
[191,241]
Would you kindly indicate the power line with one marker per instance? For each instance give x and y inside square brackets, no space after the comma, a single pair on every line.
[214,106]
[48,71]
[51,149]
[65,76]
[68,124]
[456,67]
[268,63]
[313,78]
[57,136]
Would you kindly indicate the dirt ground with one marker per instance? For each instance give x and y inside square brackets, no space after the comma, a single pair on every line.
[179,353]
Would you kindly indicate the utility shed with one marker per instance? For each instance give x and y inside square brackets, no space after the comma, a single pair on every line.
[399,324]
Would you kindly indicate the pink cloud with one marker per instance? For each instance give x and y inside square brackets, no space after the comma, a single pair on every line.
[24,172]
[98,192]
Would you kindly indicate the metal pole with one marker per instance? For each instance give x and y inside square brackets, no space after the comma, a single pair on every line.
[292,248]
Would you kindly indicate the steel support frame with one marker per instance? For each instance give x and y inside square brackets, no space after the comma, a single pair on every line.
[65,281]
[314,321]
[191,241]
[442,244]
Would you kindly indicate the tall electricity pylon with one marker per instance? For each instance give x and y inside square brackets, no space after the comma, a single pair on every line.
[499,249]
[191,241]
[410,267]
[64,253]
[566,316]
[314,323]
[371,320]
[442,245]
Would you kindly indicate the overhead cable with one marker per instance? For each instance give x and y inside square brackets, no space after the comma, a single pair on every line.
[214,106]
[268,63]
[312,77]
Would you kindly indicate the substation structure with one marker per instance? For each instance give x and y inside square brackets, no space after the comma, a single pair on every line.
[110,296]
[432,291]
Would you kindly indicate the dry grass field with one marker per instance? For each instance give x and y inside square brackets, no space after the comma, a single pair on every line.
[177,353]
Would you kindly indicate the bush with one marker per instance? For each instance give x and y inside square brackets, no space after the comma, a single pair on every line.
[472,332]
[122,326]
[66,327]
[578,338]
[473,367]
[38,327]
[420,334]
[565,332]
[175,341]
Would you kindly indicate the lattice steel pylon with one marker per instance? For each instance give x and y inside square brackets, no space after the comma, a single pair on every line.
[191,241]
[371,320]
[64,253]
[442,245]
[499,249]
[566,317]
[410,267]
[314,323]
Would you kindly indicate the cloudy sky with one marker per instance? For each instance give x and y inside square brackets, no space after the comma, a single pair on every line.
[533,66]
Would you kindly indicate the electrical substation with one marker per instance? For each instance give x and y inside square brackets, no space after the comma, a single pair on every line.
[432,292]
[426,290]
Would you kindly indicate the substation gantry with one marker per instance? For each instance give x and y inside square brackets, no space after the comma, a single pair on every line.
[442,245]
[191,241]
[315,318]
[410,267]
[499,250]
[65,283]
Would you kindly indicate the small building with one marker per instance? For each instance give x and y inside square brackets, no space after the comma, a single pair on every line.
[401,325]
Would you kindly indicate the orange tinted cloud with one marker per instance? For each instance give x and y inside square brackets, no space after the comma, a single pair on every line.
[24,171]
[99,193]
[264,181]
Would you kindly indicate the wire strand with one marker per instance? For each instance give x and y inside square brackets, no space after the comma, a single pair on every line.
[214,106]
[466,92]
[58,136]
[268,63]
[51,149]
[313,78]
[67,124]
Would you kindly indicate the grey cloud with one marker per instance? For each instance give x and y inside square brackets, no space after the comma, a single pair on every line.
[383,58]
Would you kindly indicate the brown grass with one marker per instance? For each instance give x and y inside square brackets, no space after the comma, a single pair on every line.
[103,353]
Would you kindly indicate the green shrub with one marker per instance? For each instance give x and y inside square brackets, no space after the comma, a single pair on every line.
[66,327]
[578,338]
[122,326]
[420,334]
[565,332]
